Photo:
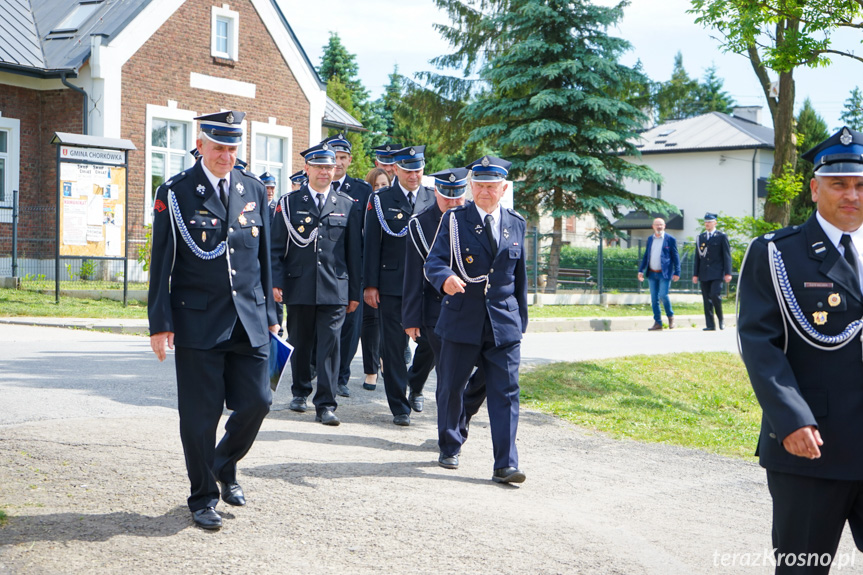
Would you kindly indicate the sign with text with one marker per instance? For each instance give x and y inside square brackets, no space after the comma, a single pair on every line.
[96,155]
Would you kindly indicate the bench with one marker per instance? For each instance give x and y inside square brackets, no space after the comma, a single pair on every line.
[576,277]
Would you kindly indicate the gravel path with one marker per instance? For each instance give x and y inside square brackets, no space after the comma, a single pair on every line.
[93,482]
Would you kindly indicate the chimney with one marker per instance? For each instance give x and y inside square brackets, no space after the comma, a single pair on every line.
[748,113]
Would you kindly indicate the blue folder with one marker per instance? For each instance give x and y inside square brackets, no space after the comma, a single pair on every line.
[280,353]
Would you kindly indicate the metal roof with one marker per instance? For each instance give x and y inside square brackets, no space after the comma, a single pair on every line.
[31,42]
[92,141]
[336,117]
[644,221]
[708,132]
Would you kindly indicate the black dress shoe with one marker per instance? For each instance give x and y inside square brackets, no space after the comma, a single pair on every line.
[450,462]
[416,400]
[207,518]
[508,475]
[298,404]
[343,391]
[232,494]
[721,324]
[709,329]
[328,417]
[402,419]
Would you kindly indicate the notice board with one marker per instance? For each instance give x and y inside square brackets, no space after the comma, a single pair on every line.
[92,202]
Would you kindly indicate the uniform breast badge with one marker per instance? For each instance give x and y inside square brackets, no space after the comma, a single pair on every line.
[301,229]
[203,236]
[255,232]
[506,233]
[469,259]
[308,220]
[240,188]
[242,219]
[399,216]
[834,299]
[819,317]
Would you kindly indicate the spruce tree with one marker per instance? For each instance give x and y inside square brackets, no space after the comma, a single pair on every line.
[551,109]
[677,98]
[852,112]
[811,130]
[711,96]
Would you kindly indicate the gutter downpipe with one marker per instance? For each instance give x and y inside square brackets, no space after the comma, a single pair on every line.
[81,91]
[754,182]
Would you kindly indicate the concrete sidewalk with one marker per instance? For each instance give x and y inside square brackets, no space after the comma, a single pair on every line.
[541,325]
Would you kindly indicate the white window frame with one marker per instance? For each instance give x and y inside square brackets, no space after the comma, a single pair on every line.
[12,127]
[175,115]
[233,19]
[274,130]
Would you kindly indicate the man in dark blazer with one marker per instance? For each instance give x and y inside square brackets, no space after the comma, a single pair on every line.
[478,261]
[387,215]
[712,269]
[799,332]
[421,302]
[360,191]
[661,264]
[209,296]
[316,273]
[269,181]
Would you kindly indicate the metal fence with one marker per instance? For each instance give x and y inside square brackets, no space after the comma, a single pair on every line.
[600,269]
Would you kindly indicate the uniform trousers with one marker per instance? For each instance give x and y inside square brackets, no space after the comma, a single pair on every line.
[232,374]
[349,341]
[474,393]
[500,367]
[809,514]
[710,291]
[309,325]
[371,336]
[397,379]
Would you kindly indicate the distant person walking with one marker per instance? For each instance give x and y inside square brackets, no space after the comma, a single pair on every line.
[712,269]
[661,263]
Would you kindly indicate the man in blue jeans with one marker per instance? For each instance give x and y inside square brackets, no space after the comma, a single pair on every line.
[661,263]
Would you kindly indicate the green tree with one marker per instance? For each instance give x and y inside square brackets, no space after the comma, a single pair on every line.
[337,62]
[811,129]
[678,98]
[548,109]
[780,36]
[711,97]
[342,95]
[852,113]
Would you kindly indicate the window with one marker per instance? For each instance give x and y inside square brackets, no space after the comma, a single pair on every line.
[78,16]
[271,149]
[169,139]
[225,33]
[10,135]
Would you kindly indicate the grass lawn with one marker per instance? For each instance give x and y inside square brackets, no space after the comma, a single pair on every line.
[34,304]
[699,400]
[546,311]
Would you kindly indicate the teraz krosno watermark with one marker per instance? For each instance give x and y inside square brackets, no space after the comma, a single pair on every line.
[772,558]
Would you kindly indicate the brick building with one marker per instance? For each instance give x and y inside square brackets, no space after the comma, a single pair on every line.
[141,70]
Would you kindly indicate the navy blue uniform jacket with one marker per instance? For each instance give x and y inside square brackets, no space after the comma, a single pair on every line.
[326,272]
[194,298]
[463,315]
[421,301]
[796,383]
[383,254]
[717,263]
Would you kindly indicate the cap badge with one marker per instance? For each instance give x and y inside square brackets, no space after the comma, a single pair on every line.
[412,152]
[846,137]
[820,317]
[229,118]
[485,162]
[389,148]
[324,147]
[834,299]
[452,177]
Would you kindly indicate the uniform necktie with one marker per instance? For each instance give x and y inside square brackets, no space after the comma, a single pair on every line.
[489,233]
[336,185]
[223,193]
[849,254]
[321,202]
[411,199]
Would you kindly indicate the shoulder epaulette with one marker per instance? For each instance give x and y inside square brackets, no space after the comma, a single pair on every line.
[175,178]
[344,195]
[780,234]
[515,213]
[251,175]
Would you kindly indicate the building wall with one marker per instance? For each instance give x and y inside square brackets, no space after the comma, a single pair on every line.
[159,74]
[701,182]
[41,113]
